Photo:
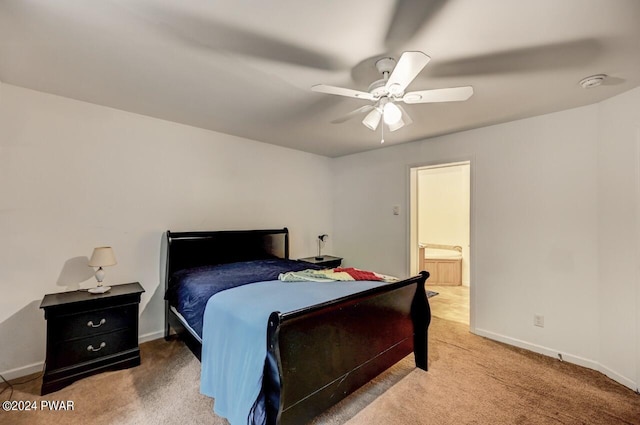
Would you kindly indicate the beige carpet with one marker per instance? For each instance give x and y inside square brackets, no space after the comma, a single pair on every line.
[471,381]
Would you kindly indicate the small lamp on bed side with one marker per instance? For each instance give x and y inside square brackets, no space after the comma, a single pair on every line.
[321,240]
[102,257]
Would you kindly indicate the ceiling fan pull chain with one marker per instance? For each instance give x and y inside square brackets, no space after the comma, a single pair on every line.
[382,126]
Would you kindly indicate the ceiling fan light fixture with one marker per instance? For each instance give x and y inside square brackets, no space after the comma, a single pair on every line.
[388,93]
[397,126]
[372,119]
[391,113]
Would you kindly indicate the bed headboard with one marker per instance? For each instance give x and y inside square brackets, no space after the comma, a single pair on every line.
[194,249]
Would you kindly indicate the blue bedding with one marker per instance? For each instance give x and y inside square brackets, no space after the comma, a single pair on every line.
[190,289]
[235,334]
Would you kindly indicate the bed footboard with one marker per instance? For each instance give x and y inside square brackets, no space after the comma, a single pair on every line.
[319,355]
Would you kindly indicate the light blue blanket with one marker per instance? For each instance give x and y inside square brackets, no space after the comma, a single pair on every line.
[234,333]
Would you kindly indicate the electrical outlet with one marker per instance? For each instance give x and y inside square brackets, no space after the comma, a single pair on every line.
[396,210]
[538,320]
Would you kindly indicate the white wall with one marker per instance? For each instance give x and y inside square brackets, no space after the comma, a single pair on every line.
[74,176]
[534,239]
[619,237]
[443,209]
[555,208]
[555,228]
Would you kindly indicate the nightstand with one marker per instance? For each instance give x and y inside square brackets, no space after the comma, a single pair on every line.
[90,333]
[327,261]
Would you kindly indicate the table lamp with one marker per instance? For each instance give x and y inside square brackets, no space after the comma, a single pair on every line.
[102,256]
[321,240]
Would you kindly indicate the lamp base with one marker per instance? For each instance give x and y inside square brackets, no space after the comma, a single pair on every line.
[99,289]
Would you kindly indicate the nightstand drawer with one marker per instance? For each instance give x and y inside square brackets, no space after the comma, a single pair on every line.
[92,323]
[92,348]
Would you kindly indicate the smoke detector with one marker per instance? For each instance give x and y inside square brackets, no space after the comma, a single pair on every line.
[592,81]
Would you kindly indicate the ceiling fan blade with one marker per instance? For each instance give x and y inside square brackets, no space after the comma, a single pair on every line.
[352,114]
[341,91]
[452,94]
[554,56]
[408,67]
[409,16]
[201,31]
[405,117]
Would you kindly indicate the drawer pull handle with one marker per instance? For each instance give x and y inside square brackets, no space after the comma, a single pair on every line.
[91,325]
[102,345]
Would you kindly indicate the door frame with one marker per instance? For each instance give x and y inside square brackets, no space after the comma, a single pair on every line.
[412,225]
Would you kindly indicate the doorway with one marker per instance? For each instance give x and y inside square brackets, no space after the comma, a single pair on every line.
[440,235]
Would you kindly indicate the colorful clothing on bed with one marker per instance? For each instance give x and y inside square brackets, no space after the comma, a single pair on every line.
[326,275]
[357,274]
[331,275]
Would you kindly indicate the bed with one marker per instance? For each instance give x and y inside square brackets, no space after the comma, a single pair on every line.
[315,355]
[444,263]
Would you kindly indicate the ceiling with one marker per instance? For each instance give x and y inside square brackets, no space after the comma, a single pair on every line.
[245,67]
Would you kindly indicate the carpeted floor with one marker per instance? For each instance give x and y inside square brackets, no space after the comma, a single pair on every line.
[471,380]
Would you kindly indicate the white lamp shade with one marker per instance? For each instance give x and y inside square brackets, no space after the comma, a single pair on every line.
[392,114]
[372,119]
[102,256]
[397,125]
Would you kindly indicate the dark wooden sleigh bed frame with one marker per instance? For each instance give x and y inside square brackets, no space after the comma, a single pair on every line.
[318,355]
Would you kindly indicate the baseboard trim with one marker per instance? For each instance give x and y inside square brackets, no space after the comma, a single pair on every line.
[580,361]
[19,372]
[150,336]
[37,367]
[567,357]
[620,378]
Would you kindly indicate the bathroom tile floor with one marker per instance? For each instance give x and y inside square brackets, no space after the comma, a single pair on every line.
[451,303]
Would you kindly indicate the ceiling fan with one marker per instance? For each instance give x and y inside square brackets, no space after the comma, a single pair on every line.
[389,91]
